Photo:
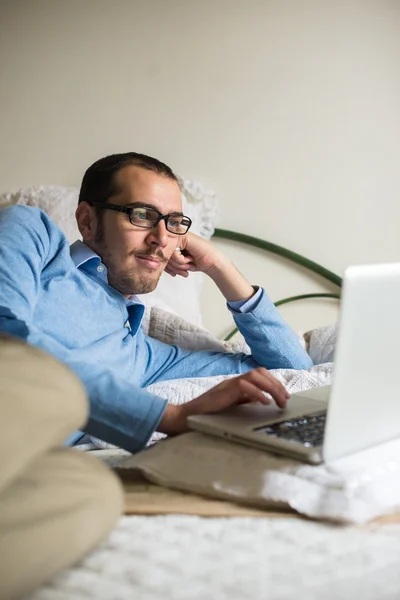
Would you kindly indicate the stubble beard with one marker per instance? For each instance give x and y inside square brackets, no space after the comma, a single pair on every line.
[129,284]
[126,281]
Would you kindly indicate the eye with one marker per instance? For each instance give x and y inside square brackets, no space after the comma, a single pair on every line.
[140,213]
[175,222]
[143,216]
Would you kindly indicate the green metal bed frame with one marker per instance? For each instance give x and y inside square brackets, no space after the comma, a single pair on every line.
[289,255]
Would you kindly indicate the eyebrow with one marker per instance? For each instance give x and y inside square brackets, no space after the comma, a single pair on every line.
[148,205]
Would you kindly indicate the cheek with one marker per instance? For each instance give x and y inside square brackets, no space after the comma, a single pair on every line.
[119,243]
[129,242]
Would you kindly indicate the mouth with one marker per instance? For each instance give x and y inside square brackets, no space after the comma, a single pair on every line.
[152,262]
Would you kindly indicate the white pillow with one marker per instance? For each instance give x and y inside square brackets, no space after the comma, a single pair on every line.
[321,343]
[176,294]
[58,202]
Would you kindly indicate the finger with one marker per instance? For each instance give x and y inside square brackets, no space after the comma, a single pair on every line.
[182,270]
[176,266]
[170,271]
[183,266]
[269,384]
[174,272]
[265,373]
[171,268]
[247,391]
[181,259]
[245,400]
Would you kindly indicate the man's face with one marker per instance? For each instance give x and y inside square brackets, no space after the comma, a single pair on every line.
[136,257]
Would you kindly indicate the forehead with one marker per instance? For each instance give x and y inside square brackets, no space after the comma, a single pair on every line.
[135,184]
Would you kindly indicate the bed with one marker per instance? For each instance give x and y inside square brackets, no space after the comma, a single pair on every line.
[253,554]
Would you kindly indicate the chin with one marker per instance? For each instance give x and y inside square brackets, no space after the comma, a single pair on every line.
[128,283]
[144,290]
[145,287]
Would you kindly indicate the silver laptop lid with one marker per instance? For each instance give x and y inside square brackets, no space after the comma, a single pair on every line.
[364,408]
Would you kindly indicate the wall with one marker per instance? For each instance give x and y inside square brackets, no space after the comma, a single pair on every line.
[288,109]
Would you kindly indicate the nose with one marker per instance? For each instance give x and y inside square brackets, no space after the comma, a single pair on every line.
[158,235]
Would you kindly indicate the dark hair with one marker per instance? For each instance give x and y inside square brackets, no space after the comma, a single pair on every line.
[98,181]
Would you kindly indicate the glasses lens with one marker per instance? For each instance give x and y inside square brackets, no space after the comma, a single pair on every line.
[178,224]
[143,217]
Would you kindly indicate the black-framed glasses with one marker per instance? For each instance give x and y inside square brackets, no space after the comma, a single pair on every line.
[148,217]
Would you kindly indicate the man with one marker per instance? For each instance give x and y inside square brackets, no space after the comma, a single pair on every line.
[79,304]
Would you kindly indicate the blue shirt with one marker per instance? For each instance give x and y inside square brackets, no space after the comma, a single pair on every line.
[62,303]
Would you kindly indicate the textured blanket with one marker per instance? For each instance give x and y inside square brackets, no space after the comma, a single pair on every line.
[193,558]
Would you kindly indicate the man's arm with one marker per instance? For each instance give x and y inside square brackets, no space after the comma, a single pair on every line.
[120,412]
[273,343]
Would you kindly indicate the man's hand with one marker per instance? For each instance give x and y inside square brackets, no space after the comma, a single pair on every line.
[193,253]
[196,254]
[245,388]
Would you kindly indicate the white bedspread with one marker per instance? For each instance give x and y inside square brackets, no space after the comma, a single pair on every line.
[193,558]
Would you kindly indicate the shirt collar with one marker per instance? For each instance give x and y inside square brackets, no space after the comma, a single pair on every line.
[81,254]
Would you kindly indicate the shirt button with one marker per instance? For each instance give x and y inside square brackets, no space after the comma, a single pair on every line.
[100,268]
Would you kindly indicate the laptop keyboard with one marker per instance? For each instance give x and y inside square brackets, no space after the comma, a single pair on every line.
[307,430]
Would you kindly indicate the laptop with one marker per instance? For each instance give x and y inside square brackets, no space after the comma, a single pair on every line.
[361,408]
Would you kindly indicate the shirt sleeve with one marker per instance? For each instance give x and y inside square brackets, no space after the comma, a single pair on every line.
[120,412]
[263,319]
[272,342]
[245,306]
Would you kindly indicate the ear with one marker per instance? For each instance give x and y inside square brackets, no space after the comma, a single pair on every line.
[86,220]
